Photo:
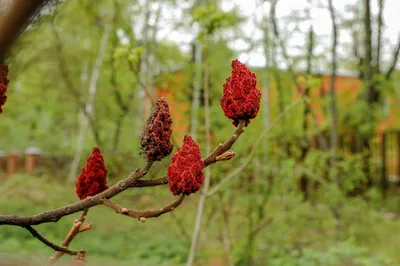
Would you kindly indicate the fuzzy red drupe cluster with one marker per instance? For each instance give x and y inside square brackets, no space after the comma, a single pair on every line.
[92,179]
[3,85]
[241,98]
[185,173]
[155,139]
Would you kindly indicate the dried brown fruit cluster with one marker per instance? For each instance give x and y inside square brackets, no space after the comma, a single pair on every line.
[155,139]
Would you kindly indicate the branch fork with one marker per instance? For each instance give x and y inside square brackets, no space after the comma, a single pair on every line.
[221,153]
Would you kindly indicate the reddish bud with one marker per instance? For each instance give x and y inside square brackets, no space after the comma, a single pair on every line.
[155,139]
[185,173]
[241,98]
[92,179]
[3,85]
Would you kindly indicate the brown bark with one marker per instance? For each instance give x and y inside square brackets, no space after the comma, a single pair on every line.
[371,95]
[130,182]
[48,242]
[13,23]
[333,105]
[76,228]
[306,145]
[143,215]
[379,37]
[57,214]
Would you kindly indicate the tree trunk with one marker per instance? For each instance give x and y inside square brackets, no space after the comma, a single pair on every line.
[196,90]
[280,96]
[143,75]
[379,37]
[117,132]
[307,110]
[226,237]
[333,105]
[194,120]
[266,88]
[83,125]
[370,94]
[334,113]
[89,104]
[207,176]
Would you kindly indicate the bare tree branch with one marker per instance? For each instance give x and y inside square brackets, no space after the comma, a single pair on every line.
[141,83]
[394,60]
[152,182]
[75,229]
[222,148]
[129,182]
[143,215]
[48,242]
[57,214]
[207,175]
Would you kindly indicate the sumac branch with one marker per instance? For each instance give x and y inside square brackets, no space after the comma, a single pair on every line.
[240,102]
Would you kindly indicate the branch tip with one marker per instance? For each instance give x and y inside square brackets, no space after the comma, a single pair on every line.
[86,227]
[226,156]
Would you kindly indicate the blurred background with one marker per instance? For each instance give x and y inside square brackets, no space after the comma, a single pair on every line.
[315,179]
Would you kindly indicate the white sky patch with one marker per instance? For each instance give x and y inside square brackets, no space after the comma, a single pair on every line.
[321,24]
[254,12]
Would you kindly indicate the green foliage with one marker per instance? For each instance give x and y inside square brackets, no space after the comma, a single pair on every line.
[124,52]
[347,253]
[49,85]
[359,117]
[107,239]
[212,19]
[65,55]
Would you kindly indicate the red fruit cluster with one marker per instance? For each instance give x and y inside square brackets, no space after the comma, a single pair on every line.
[92,179]
[155,139]
[3,85]
[185,173]
[241,98]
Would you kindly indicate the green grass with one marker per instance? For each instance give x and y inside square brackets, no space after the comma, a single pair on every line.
[114,237]
[303,234]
